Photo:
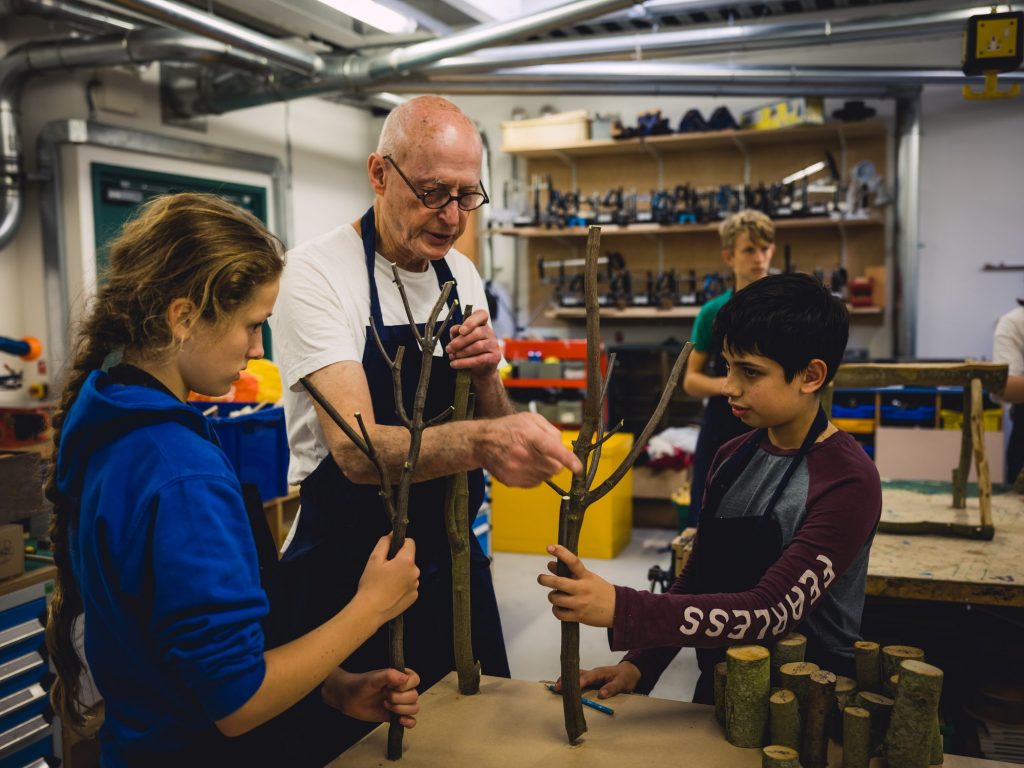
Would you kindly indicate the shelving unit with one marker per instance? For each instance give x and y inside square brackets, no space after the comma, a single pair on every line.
[518,351]
[704,160]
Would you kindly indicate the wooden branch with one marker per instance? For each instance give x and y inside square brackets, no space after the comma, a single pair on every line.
[457,524]
[856,737]
[980,461]
[336,417]
[405,303]
[821,691]
[441,418]
[909,739]
[550,484]
[869,669]
[786,650]
[747,689]
[396,375]
[641,441]
[784,718]
[928,528]
[607,435]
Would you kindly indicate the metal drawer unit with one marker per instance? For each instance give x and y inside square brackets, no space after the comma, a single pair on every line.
[29,734]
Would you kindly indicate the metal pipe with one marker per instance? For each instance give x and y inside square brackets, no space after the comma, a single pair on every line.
[73,13]
[134,47]
[187,18]
[661,77]
[705,40]
[361,71]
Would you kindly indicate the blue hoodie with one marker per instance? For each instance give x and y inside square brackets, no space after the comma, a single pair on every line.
[165,561]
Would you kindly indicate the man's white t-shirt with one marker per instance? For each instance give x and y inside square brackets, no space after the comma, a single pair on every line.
[322,314]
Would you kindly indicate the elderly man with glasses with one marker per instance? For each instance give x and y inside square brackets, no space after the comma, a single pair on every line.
[425,176]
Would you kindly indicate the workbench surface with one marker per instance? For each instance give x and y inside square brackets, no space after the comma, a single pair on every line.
[518,724]
[938,568]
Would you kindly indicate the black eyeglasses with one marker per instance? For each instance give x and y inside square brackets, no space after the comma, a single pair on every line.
[439,198]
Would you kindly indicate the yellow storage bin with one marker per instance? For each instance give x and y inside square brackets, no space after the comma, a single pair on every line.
[526,519]
[991,419]
[856,426]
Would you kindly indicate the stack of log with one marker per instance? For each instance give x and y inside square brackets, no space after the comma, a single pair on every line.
[788,707]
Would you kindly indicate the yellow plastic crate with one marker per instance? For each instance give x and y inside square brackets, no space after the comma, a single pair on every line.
[526,519]
[856,426]
[991,419]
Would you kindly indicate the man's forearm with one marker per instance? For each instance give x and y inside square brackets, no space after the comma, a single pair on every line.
[444,450]
[492,399]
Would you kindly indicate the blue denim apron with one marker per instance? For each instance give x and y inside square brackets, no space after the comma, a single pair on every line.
[341,521]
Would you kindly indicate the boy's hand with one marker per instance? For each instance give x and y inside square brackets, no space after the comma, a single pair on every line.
[373,696]
[390,586]
[622,678]
[585,597]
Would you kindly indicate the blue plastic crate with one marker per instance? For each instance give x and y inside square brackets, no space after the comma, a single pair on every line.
[256,444]
[866,411]
[920,414]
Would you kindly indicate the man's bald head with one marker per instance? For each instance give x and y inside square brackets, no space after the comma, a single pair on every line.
[422,122]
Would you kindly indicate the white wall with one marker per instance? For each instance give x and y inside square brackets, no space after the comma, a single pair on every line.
[972,213]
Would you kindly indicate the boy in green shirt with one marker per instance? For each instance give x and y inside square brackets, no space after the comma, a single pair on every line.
[748,242]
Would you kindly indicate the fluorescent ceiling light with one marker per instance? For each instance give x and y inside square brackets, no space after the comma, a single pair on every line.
[374,14]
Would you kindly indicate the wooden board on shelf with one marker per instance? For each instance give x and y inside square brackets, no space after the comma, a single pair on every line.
[674,313]
[702,141]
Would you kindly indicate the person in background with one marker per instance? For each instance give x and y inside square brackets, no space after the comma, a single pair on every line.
[748,243]
[790,513]
[151,534]
[425,177]
[1008,347]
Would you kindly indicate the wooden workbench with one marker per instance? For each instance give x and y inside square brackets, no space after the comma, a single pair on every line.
[937,568]
[518,724]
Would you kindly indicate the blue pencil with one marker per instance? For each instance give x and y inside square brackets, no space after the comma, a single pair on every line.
[586,702]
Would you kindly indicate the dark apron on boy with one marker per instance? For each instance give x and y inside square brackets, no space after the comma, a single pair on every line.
[717,427]
[733,553]
[341,521]
[1015,445]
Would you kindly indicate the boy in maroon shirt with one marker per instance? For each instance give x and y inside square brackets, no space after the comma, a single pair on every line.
[788,517]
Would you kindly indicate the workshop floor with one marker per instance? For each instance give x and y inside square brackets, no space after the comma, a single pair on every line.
[532,635]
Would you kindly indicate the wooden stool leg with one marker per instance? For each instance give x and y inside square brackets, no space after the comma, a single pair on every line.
[961,472]
[980,460]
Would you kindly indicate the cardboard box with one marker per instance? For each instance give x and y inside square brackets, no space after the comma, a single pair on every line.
[658,483]
[782,114]
[22,485]
[12,551]
[551,131]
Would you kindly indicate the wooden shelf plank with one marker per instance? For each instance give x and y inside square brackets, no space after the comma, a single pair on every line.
[697,141]
[675,313]
[811,222]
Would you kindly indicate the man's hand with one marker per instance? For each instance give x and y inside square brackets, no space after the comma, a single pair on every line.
[622,678]
[584,597]
[524,450]
[373,696]
[474,346]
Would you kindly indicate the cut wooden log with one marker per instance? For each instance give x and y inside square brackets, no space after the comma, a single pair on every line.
[779,756]
[748,681]
[865,656]
[892,657]
[909,739]
[784,719]
[788,649]
[794,677]
[935,758]
[856,737]
[721,672]
[880,708]
[846,691]
[821,694]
